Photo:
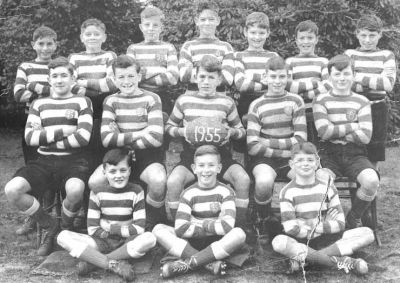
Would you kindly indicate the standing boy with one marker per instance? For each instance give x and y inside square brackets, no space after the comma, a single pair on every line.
[133,118]
[343,122]
[116,220]
[311,215]
[204,231]
[374,77]
[61,126]
[276,121]
[307,72]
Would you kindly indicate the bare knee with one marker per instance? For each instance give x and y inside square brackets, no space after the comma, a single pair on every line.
[240,235]
[74,189]
[160,229]
[149,240]
[279,243]
[369,182]
[15,188]
[175,185]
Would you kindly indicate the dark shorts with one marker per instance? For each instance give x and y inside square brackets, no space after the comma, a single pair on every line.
[312,134]
[201,243]
[46,171]
[345,160]
[377,145]
[111,244]
[280,165]
[29,152]
[145,157]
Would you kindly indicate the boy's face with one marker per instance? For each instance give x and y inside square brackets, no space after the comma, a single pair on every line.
[276,81]
[44,47]
[61,81]
[341,80]
[304,165]
[368,39]
[256,37]
[206,168]
[127,80]
[207,82]
[306,42]
[151,29]
[93,37]
[207,23]
[118,175]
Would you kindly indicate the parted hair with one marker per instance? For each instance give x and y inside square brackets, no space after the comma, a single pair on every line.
[93,22]
[306,26]
[257,19]
[125,61]
[370,22]
[44,31]
[207,149]
[116,155]
[340,62]
[61,62]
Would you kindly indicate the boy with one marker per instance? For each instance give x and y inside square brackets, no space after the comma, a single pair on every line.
[250,64]
[343,122]
[207,103]
[307,72]
[204,231]
[374,77]
[61,126]
[116,220]
[276,121]
[192,51]
[311,215]
[158,59]
[133,118]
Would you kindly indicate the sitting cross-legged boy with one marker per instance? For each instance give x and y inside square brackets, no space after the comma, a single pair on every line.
[343,121]
[116,220]
[204,231]
[313,220]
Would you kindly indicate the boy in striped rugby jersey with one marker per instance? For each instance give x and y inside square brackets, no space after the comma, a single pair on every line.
[343,122]
[192,51]
[276,121]
[312,215]
[207,103]
[158,59]
[133,118]
[308,73]
[204,231]
[116,221]
[374,77]
[60,125]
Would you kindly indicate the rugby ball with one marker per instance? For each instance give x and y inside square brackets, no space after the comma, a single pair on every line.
[206,130]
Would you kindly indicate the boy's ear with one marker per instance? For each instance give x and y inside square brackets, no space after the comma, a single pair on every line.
[291,163]
[193,166]
[32,43]
[245,32]
[141,28]
[219,167]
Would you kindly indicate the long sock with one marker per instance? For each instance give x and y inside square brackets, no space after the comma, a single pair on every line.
[42,217]
[94,257]
[188,251]
[359,206]
[319,258]
[173,207]
[241,212]
[202,257]
[67,217]
[332,250]
[155,212]
[119,253]
[263,208]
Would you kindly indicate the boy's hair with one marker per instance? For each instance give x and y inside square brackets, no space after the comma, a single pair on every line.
[207,149]
[276,63]
[257,19]
[369,22]
[44,31]
[340,62]
[203,5]
[123,62]
[303,147]
[150,12]
[93,22]
[306,26]
[116,155]
[210,63]
[61,62]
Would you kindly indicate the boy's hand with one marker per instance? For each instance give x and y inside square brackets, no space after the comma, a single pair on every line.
[182,133]
[332,214]
[226,139]
[206,224]
[81,91]
[82,83]
[114,127]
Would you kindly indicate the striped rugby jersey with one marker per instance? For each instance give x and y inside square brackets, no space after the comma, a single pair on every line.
[343,119]
[196,204]
[275,124]
[160,62]
[139,112]
[66,125]
[120,212]
[375,72]
[300,205]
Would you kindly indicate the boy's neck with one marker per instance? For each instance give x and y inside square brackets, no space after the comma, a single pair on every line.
[272,94]
[312,54]
[304,181]
[336,92]
[136,92]
[40,60]
[207,187]
[206,36]
[64,96]
[251,48]
[93,51]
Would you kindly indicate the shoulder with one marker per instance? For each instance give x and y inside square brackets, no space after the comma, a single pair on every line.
[294,97]
[359,98]
[323,97]
[225,189]
[257,102]
[151,95]
[287,190]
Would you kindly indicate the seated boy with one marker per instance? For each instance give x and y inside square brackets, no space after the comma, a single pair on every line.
[204,231]
[276,121]
[343,122]
[207,103]
[116,220]
[61,126]
[312,216]
[133,118]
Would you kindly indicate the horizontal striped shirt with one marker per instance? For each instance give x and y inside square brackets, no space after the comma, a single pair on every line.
[216,205]
[275,124]
[139,112]
[250,69]
[190,56]
[308,77]
[300,206]
[343,119]
[120,212]
[160,62]
[66,125]
[375,72]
